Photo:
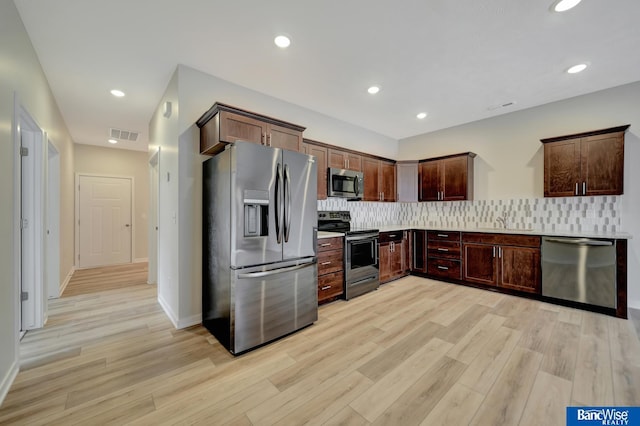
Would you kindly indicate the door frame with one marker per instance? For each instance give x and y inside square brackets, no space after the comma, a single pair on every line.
[154,214]
[76,256]
[24,121]
[52,250]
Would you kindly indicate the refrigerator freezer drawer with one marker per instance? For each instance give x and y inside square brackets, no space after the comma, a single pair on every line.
[272,303]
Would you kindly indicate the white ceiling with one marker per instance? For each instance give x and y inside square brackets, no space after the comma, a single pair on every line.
[452,59]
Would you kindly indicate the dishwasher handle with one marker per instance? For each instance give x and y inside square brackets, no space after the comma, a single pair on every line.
[580,241]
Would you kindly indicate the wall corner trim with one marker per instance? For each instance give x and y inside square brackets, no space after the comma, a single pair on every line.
[168,311]
[63,287]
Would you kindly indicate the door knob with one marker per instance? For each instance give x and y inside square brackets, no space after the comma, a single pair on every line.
[127,225]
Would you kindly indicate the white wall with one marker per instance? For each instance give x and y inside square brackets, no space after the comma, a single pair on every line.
[121,162]
[22,74]
[163,134]
[510,160]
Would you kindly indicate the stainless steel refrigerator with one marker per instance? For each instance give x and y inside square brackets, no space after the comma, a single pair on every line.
[260,273]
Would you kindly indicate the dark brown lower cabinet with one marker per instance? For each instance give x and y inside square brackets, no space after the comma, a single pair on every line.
[330,269]
[392,253]
[418,251]
[508,261]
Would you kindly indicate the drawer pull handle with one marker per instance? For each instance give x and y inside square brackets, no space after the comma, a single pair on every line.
[443,235]
[325,245]
[442,249]
[444,268]
[326,287]
[325,263]
[392,235]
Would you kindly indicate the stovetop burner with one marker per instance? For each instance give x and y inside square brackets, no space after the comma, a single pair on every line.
[340,221]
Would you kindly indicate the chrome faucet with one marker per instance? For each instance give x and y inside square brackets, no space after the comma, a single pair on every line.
[504,219]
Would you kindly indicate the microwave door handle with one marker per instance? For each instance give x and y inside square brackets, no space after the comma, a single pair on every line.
[278,203]
[356,186]
[287,205]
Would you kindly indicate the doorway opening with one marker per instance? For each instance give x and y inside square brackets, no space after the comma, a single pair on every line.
[53,221]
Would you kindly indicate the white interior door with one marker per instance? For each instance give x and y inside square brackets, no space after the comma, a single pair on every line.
[105,227]
[28,237]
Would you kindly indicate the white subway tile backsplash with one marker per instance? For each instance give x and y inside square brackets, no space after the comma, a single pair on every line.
[581,214]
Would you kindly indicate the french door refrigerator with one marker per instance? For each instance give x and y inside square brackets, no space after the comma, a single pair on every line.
[260,273]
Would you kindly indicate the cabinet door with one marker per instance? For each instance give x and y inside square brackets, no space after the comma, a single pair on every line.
[337,159]
[396,261]
[454,178]
[283,137]
[419,251]
[370,172]
[429,181]
[520,268]
[407,182]
[387,180]
[235,127]
[602,164]
[561,168]
[384,250]
[480,264]
[344,160]
[321,163]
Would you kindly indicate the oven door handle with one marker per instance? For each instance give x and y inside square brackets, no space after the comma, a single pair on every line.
[365,237]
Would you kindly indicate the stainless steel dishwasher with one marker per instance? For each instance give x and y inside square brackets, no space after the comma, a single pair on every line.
[580,270]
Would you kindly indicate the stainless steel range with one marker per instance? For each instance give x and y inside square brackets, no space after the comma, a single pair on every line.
[360,253]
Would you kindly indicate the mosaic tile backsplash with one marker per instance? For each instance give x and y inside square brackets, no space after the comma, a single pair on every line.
[575,214]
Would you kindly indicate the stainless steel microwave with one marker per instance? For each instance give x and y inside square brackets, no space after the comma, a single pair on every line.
[345,183]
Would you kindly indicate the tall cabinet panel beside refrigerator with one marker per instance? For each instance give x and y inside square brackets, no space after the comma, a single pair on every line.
[260,273]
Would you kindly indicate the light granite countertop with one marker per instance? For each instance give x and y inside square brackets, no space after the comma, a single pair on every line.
[574,234]
[325,234]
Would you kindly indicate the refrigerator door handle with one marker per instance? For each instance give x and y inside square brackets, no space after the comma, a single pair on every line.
[278,204]
[287,205]
[274,271]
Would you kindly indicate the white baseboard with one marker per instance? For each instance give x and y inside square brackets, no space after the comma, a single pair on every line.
[7,381]
[66,280]
[188,322]
[141,260]
[179,323]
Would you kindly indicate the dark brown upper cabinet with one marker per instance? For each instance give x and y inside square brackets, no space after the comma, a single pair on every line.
[339,159]
[320,153]
[590,163]
[223,124]
[379,179]
[447,178]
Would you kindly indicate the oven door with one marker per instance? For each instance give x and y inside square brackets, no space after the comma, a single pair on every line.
[361,265]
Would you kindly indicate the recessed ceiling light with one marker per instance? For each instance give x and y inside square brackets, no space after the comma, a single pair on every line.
[577,68]
[373,90]
[422,115]
[564,5]
[112,141]
[282,41]
[117,93]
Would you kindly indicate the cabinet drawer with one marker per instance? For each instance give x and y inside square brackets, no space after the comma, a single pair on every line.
[330,261]
[395,236]
[330,285]
[444,268]
[443,236]
[443,249]
[502,239]
[325,244]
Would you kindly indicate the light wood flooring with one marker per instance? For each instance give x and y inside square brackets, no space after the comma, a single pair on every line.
[414,352]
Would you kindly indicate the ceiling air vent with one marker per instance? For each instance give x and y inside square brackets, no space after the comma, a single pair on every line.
[123,135]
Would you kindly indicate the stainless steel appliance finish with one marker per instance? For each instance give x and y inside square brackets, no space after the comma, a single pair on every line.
[361,260]
[580,270]
[362,273]
[259,244]
[345,184]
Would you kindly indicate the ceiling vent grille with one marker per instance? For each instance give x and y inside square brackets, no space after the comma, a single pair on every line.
[123,135]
